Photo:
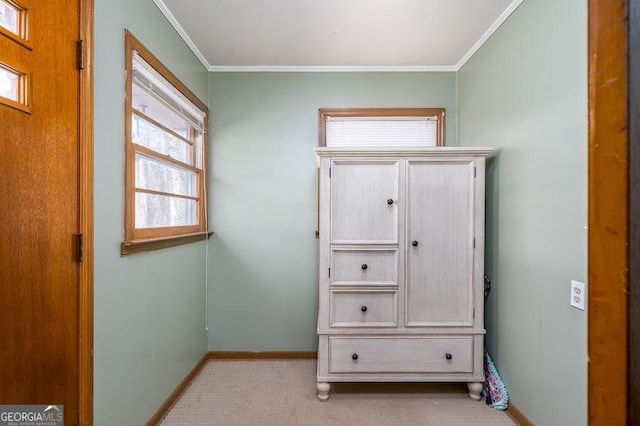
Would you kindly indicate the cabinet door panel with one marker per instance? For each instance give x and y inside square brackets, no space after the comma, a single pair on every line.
[440,222]
[364,198]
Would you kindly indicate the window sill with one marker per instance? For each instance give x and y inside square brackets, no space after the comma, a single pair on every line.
[137,246]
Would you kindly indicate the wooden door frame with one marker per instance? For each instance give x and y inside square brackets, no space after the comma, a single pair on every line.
[634,211]
[86,216]
[608,255]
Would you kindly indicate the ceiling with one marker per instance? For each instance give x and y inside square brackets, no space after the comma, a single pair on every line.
[359,35]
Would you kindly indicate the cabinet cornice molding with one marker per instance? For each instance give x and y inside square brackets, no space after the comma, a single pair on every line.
[434,152]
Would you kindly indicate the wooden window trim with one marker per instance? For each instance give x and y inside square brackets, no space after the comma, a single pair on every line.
[163,158]
[145,239]
[160,126]
[324,113]
[137,246]
[22,37]
[168,194]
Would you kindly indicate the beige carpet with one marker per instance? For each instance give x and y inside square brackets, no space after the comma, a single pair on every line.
[284,393]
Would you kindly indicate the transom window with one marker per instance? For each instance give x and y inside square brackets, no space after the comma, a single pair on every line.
[166,126]
[382,127]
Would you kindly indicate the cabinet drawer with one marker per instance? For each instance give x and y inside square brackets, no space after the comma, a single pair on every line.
[358,308]
[401,355]
[366,267]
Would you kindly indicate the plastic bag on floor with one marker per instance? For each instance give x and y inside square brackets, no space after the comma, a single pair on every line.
[494,390]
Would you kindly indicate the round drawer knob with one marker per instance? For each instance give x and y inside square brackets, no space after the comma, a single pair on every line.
[390,201]
[354,357]
[414,243]
[448,356]
[364,308]
[364,266]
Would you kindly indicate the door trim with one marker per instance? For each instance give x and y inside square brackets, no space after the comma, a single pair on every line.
[608,214]
[86,216]
[634,211]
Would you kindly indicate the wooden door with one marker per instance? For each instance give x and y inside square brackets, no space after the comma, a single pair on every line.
[439,243]
[364,201]
[40,204]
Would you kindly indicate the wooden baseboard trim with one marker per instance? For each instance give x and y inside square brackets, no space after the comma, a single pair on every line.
[164,409]
[517,416]
[239,355]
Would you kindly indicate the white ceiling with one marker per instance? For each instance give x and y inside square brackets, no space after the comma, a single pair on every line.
[376,35]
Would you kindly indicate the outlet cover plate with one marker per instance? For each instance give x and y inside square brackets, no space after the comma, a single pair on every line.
[578,294]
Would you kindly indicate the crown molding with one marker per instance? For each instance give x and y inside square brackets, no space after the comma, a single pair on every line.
[176,25]
[348,68]
[492,29]
[375,68]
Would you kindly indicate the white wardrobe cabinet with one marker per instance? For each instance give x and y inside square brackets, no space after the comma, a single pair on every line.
[401,248]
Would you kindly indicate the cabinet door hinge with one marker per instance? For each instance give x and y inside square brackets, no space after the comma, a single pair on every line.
[474,313]
[474,171]
[474,243]
[329,272]
[79,247]
[80,54]
[329,172]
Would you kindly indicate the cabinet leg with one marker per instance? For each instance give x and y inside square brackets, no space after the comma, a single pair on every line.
[474,390]
[323,390]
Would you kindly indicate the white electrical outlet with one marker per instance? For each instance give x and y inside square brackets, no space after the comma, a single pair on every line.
[578,294]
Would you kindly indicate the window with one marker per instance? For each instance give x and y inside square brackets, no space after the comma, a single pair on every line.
[165,133]
[14,86]
[382,127]
[9,84]
[14,22]
[14,81]
[10,17]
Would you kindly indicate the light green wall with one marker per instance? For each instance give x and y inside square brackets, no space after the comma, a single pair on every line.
[263,257]
[525,91]
[149,309]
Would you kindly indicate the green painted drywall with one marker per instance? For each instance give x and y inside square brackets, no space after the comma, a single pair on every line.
[525,91]
[263,266]
[149,309]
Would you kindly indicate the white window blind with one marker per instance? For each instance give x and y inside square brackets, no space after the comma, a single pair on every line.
[382,131]
[148,79]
